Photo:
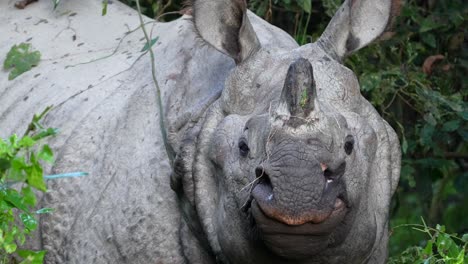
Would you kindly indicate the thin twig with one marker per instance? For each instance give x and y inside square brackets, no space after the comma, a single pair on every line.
[116,49]
[250,184]
[167,5]
[159,17]
[35,119]
[409,104]
[391,101]
[96,85]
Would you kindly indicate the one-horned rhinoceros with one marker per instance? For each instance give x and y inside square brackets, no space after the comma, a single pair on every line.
[279,159]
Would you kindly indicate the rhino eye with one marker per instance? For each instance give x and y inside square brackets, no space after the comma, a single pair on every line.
[349,145]
[243,148]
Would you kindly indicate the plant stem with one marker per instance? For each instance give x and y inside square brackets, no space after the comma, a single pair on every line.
[305,28]
[169,151]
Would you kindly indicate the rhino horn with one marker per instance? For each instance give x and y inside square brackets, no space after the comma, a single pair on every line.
[299,91]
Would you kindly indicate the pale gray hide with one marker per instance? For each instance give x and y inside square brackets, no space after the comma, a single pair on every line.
[125,210]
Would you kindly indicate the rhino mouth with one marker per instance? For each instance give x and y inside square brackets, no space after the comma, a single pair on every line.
[263,195]
[299,241]
[298,234]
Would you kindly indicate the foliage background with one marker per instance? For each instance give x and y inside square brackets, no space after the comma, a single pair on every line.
[417,81]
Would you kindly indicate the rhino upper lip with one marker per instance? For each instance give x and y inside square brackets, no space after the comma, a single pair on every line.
[315,216]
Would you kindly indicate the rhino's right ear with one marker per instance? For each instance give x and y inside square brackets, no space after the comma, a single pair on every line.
[225,26]
[356,24]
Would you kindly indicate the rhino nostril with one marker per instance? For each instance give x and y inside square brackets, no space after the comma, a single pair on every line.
[328,174]
[263,189]
[259,171]
[263,177]
[335,174]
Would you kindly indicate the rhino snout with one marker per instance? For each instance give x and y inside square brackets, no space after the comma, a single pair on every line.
[300,201]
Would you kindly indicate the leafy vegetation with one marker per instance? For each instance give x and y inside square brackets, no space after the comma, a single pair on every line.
[440,248]
[417,81]
[21,59]
[21,173]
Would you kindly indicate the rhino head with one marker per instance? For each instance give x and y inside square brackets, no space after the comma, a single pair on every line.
[291,163]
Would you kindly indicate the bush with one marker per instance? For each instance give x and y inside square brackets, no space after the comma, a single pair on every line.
[20,173]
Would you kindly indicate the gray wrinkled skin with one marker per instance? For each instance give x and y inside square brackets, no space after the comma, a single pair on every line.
[242,101]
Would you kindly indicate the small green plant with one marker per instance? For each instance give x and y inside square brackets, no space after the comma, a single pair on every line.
[20,173]
[21,59]
[441,247]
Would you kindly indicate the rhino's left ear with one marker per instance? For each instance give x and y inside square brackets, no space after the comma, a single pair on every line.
[356,24]
[225,26]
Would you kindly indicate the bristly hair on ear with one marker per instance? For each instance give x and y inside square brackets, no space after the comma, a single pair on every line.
[187,7]
[394,13]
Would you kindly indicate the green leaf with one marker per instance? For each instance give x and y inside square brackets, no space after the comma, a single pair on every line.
[446,246]
[104,7]
[429,117]
[451,126]
[306,5]
[331,6]
[9,248]
[465,238]
[456,18]
[13,197]
[31,257]
[440,228]
[16,172]
[149,45]
[29,197]
[429,39]
[45,133]
[29,221]
[46,154]
[428,24]
[463,114]
[26,142]
[35,175]
[14,141]
[21,59]
[428,249]
[404,145]
[4,164]
[5,206]
[426,135]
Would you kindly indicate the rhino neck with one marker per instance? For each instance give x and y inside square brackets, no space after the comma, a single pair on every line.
[194,244]
[193,239]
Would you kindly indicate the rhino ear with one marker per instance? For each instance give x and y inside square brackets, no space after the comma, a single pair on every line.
[356,24]
[224,25]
